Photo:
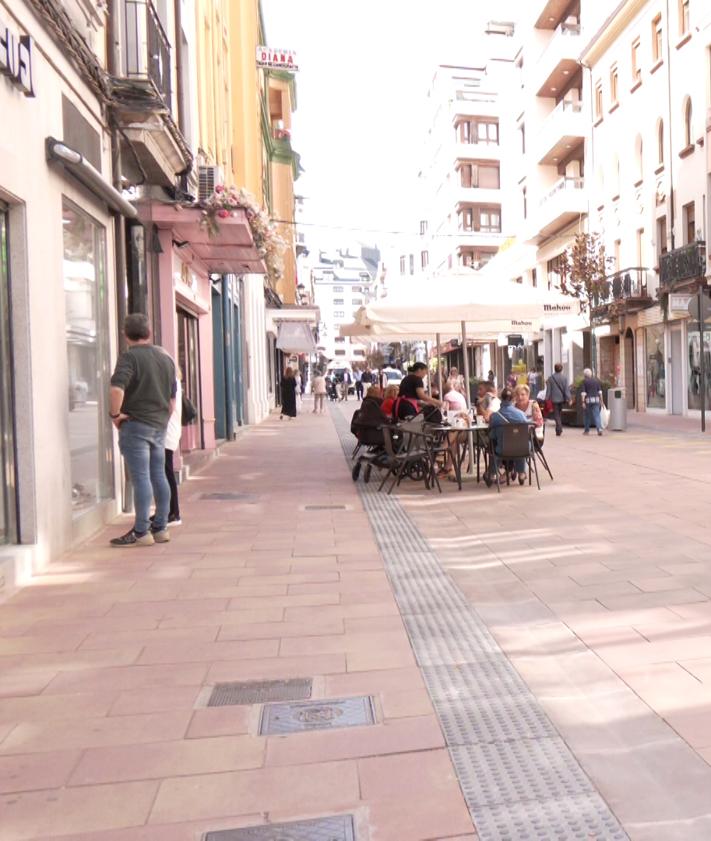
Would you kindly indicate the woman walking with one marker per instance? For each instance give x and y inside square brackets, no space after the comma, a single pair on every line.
[288,395]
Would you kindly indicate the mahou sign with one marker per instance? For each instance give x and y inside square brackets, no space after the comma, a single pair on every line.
[277,59]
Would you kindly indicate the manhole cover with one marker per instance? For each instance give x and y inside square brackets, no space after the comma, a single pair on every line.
[279,719]
[259,692]
[325,508]
[229,495]
[339,828]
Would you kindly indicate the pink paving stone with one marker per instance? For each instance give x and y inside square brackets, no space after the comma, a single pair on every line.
[61,641]
[363,661]
[373,624]
[209,652]
[36,737]
[135,677]
[397,736]
[343,611]
[226,618]
[139,701]
[417,795]
[368,682]
[31,772]
[412,702]
[72,660]
[320,788]
[63,811]
[55,707]
[309,600]
[281,630]
[168,759]
[142,637]
[222,721]
[19,683]
[390,641]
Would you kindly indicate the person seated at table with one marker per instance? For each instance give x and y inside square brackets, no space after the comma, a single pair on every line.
[530,408]
[489,402]
[454,399]
[412,394]
[389,396]
[455,403]
[456,379]
[506,414]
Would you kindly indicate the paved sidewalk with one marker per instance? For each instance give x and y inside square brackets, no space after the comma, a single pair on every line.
[106,662]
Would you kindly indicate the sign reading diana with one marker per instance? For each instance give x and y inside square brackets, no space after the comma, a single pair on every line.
[16,59]
[277,59]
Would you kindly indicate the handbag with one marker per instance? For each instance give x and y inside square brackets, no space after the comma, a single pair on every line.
[189,412]
[604,416]
[547,408]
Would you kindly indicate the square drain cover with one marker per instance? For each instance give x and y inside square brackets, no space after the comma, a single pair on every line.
[259,692]
[229,495]
[280,719]
[338,828]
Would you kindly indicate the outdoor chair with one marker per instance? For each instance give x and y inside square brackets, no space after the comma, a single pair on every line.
[515,443]
[410,458]
[538,451]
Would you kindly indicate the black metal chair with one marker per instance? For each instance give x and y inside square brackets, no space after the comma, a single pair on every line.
[538,450]
[409,456]
[514,442]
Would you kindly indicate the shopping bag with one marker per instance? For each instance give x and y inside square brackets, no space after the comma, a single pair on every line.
[604,416]
[547,408]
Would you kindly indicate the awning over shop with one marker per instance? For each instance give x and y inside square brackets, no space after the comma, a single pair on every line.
[295,337]
[232,251]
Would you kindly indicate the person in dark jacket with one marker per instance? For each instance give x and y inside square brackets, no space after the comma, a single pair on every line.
[369,418]
[591,391]
[288,394]
[558,392]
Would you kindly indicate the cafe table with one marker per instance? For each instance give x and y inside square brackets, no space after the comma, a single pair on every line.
[469,438]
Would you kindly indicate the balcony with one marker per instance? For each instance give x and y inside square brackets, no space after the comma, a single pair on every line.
[563,204]
[683,267]
[143,99]
[625,291]
[467,196]
[559,60]
[562,130]
[551,13]
[480,151]
[475,103]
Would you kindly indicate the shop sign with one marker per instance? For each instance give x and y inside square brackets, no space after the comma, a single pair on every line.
[16,59]
[515,341]
[679,303]
[277,59]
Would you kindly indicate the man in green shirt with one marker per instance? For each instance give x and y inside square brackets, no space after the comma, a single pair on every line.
[141,400]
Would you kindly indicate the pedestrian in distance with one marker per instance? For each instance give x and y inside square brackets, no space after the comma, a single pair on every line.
[455,380]
[558,394]
[358,377]
[288,395]
[141,401]
[591,391]
[318,389]
[345,385]
[297,384]
[367,379]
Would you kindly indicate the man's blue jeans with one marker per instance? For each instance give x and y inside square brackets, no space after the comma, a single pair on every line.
[143,449]
[592,416]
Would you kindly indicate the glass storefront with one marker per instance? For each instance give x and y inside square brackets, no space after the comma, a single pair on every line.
[656,369]
[189,358]
[86,318]
[7,443]
[695,384]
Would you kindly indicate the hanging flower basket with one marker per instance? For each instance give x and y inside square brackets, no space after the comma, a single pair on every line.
[224,203]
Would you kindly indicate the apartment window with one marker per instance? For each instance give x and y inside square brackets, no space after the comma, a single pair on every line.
[483,175]
[340,340]
[522,135]
[338,302]
[689,214]
[683,17]
[423,227]
[534,277]
[636,67]
[660,143]
[357,302]
[614,85]
[358,352]
[688,131]
[661,237]
[340,352]
[424,259]
[657,39]
[598,100]
[640,247]
[402,265]
[524,197]
[475,258]
[356,289]
[479,130]
[490,220]
[337,289]
[412,264]
[554,269]
[338,313]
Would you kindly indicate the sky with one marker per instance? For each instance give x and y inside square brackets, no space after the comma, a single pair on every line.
[365,68]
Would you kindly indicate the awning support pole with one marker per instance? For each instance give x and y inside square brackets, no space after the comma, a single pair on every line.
[440,384]
[472,456]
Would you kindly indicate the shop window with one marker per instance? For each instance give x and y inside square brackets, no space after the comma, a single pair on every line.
[87,341]
[189,356]
[656,371]
[695,367]
[7,448]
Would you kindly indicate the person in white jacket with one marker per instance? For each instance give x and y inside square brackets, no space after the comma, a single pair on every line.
[172,443]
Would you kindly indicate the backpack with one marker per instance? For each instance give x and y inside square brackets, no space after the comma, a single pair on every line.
[188,411]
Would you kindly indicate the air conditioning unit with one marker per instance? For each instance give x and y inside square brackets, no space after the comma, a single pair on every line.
[209,177]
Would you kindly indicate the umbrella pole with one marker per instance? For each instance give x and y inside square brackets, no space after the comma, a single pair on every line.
[470,469]
[440,384]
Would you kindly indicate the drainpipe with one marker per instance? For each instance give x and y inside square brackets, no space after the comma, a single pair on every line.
[593,340]
[671,135]
[179,86]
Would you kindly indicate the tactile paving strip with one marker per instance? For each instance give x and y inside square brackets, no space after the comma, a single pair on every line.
[337,828]
[518,777]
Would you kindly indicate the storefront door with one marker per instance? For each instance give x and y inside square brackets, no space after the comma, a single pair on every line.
[189,361]
[677,383]
[629,369]
[8,519]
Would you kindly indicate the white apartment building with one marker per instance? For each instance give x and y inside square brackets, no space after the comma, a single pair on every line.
[649,82]
[461,181]
[342,281]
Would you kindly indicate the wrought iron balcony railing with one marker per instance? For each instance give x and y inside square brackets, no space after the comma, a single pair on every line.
[682,265]
[625,286]
[146,50]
